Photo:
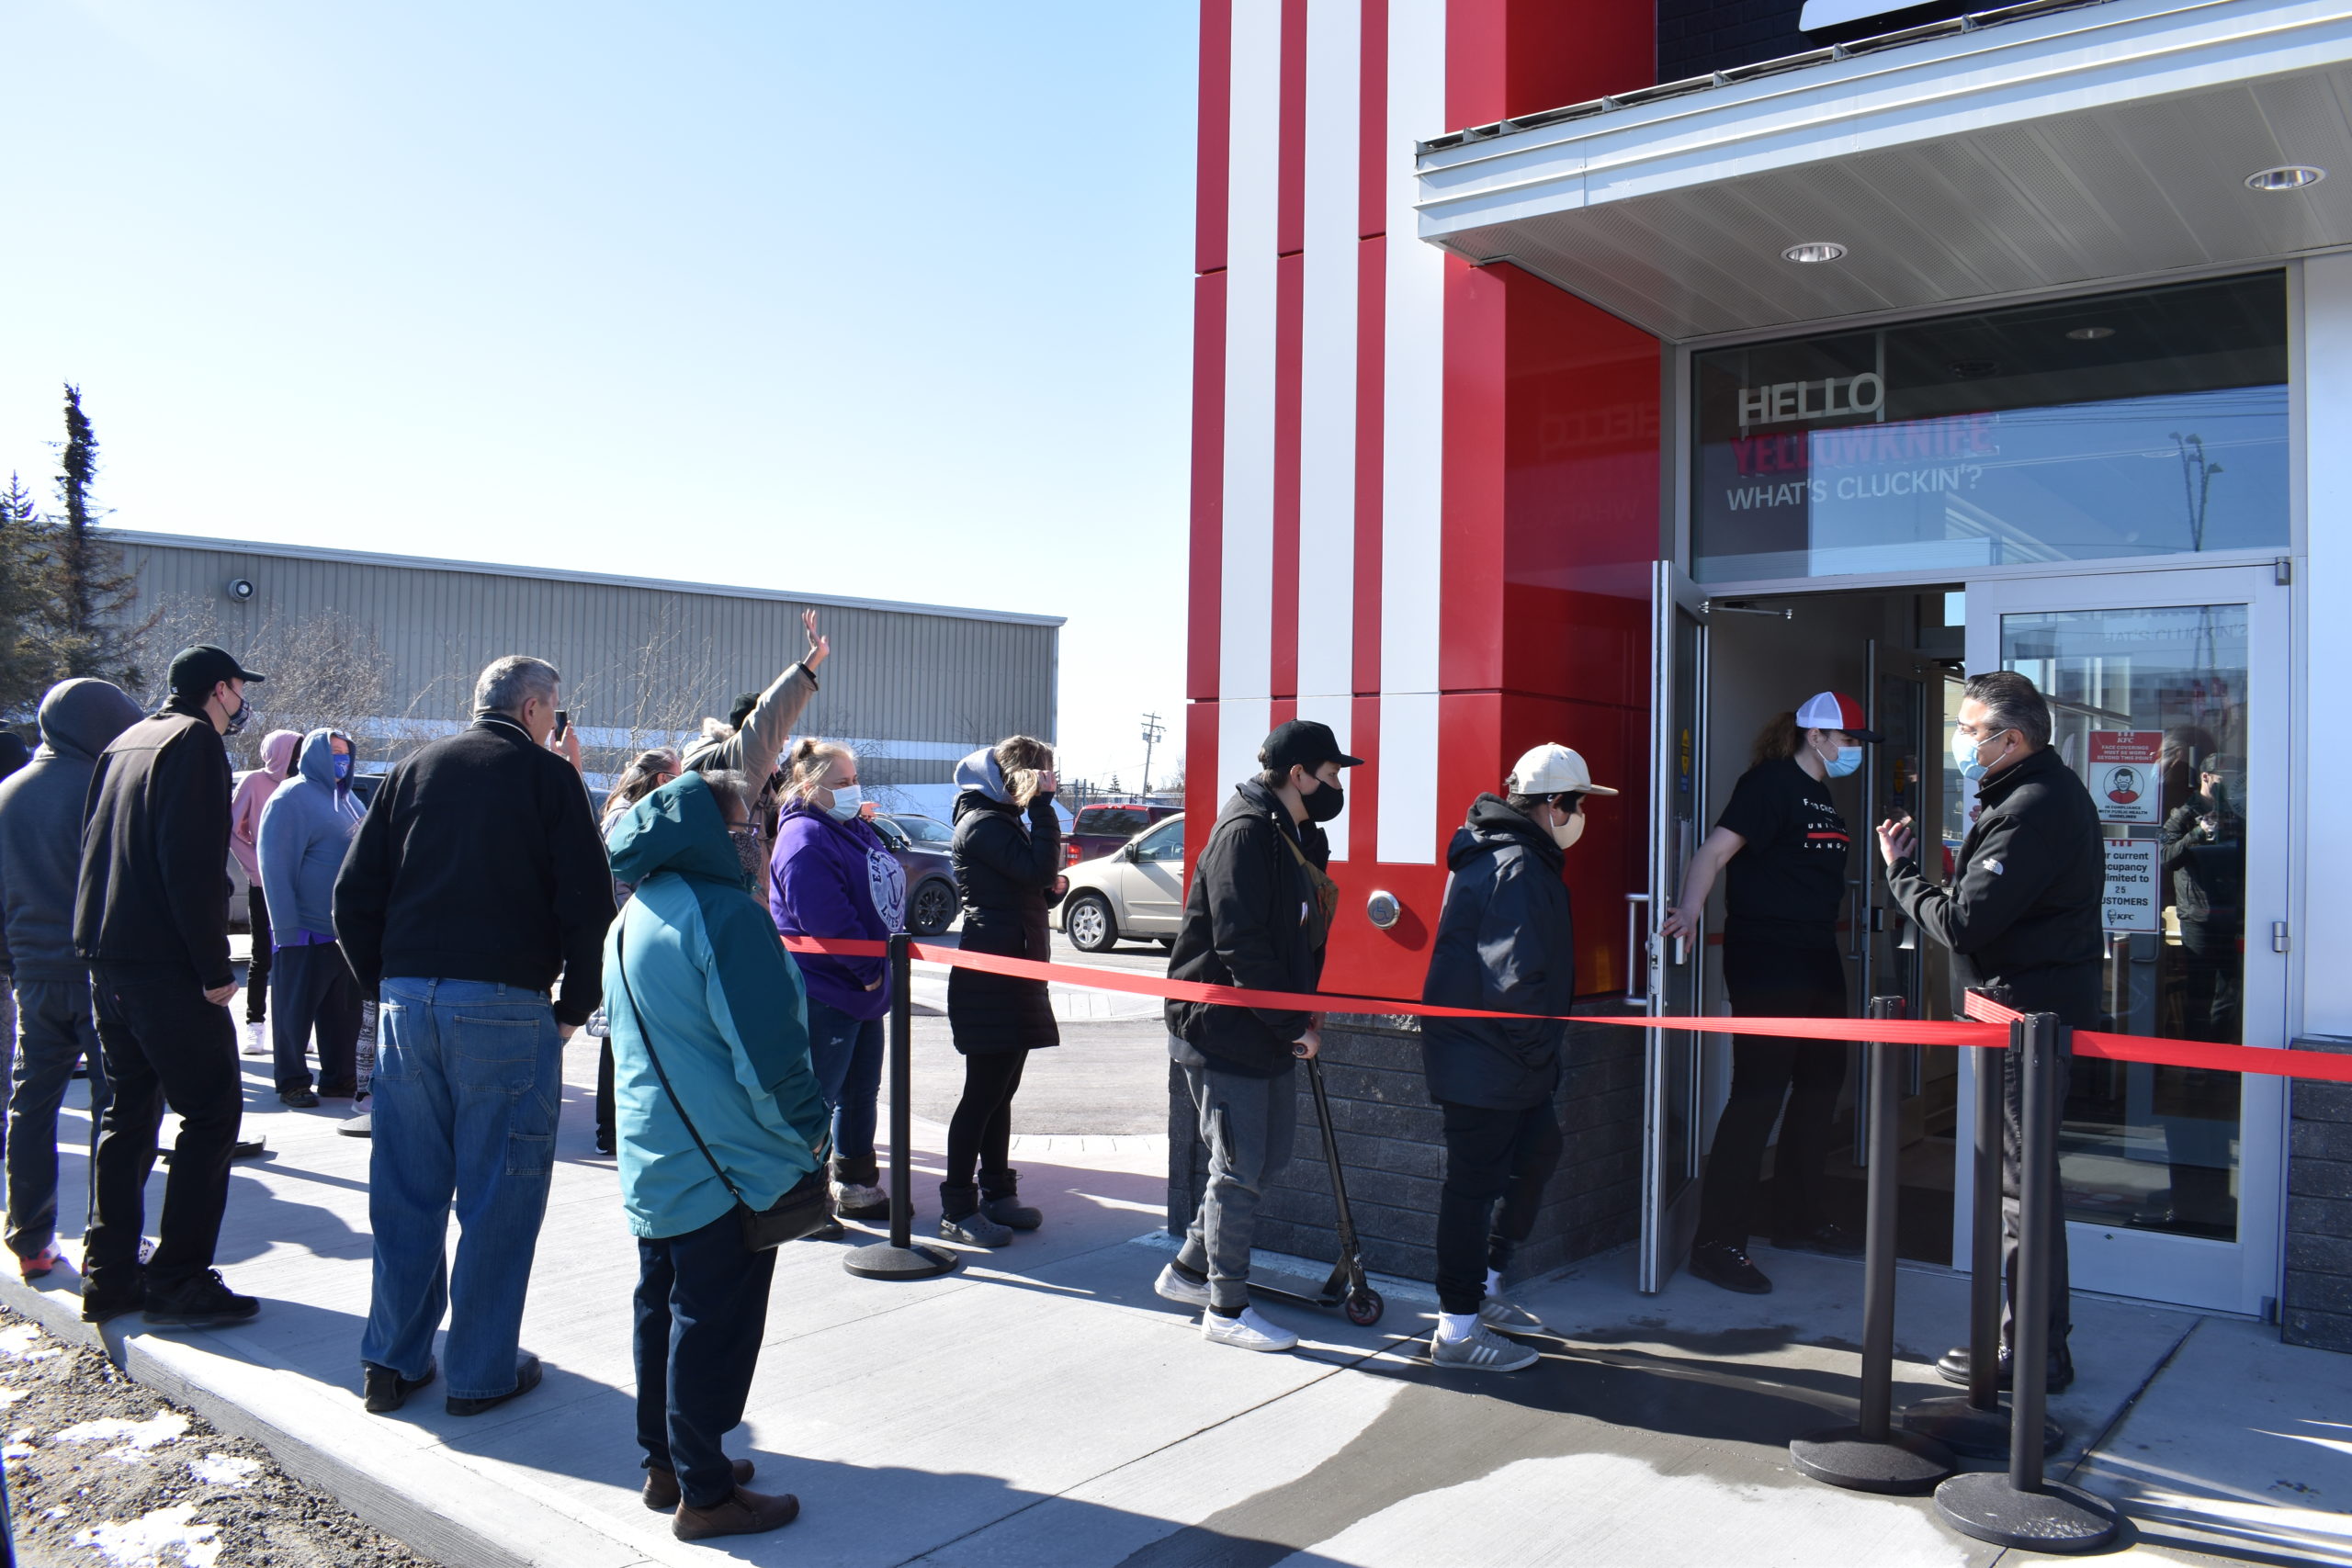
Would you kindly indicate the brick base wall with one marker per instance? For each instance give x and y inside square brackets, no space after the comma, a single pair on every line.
[2317,1307]
[1392,1153]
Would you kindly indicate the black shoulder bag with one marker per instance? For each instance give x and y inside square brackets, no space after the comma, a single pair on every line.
[800,1211]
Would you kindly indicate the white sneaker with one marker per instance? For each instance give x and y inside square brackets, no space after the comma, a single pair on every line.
[1506,1316]
[1173,1287]
[256,1038]
[1480,1350]
[1248,1332]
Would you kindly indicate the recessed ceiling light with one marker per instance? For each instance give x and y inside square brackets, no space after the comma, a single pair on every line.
[1813,251]
[2091,334]
[2286,176]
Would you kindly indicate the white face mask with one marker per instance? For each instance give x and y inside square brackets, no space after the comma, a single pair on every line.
[1566,833]
[847,801]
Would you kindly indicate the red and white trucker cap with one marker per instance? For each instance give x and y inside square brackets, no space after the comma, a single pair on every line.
[1835,710]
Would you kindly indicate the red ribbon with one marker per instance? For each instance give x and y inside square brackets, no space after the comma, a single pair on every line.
[1988,1025]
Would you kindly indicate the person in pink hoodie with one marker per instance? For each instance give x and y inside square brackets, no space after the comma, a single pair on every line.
[254,790]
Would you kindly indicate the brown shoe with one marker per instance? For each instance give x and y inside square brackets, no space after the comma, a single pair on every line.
[746,1513]
[661,1494]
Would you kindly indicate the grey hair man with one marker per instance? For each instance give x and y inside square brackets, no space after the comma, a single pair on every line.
[476,884]
[2021,912]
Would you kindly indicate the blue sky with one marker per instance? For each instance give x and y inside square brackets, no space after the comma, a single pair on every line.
[887,299]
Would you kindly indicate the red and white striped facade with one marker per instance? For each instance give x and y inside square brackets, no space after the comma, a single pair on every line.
[1424,495]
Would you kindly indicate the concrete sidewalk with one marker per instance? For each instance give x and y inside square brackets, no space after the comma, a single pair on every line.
[1042,1407]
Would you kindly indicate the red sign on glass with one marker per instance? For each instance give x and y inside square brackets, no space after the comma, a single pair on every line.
[2123,774]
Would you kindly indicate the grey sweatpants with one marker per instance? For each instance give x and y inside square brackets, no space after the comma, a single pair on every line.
[1249,1124]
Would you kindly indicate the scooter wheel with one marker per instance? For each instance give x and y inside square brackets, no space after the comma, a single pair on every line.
[1364,1308]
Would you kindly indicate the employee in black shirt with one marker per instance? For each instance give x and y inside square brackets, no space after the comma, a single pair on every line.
[1787,849]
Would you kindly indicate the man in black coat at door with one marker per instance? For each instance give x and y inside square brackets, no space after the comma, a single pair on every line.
[1505,942]
[2022,912]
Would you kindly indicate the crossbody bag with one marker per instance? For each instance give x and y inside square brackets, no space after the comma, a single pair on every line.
[800,1211]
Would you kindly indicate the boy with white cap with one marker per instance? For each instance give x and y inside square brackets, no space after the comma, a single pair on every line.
[1505,942]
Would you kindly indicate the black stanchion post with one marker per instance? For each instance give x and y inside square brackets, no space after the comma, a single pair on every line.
[900,1258]
[1976,1425]
[2022,1507]
[1871,1456]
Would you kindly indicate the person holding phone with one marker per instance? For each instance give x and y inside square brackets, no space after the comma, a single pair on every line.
[1008,853]
[1787,852]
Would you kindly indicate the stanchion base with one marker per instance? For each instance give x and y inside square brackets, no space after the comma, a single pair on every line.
[1900,1463]
[1968,1431]
[2056,1519]
[880,1260]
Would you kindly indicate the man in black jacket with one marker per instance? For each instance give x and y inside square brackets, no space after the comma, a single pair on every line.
[1257,917]
[476,881]
[2023,913]
[1505,942]
[151,917]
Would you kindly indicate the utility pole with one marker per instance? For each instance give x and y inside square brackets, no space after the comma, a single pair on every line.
[1153,733]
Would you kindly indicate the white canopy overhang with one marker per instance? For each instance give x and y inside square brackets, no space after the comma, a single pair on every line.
[2045,146]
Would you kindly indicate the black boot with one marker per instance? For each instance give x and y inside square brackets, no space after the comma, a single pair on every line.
[1000,1200]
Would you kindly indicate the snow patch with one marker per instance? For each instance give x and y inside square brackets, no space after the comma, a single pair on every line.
[135,1438]
[223,1470]
[22,1343]
[143,1542]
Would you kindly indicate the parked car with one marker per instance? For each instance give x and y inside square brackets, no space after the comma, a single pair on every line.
[930,876]
[1137,890]
[924,829]
[1099,829]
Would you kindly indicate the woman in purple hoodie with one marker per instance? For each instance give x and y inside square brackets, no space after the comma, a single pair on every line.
[833,876]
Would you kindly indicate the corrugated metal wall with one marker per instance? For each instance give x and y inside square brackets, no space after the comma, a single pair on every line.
[634,659]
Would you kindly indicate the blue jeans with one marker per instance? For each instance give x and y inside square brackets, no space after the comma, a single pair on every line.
[56,1028]
[846,1052]
[467,1074]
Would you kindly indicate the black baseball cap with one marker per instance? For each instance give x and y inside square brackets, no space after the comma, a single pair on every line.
[196,670]
[1303,743]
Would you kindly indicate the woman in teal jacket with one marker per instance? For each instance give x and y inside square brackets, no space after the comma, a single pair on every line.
[696,956]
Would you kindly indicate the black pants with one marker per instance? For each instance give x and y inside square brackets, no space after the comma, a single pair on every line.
[2062,1316]
[1775,981]
[702,1306]
[604,1138]
[316,990]
[1490,1156]
[980,1132]
[164,1045]
[257,967]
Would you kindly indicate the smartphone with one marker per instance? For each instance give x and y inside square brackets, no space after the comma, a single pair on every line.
[562,722]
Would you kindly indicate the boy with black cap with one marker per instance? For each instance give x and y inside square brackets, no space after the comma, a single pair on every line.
[151,917]
[1257,916]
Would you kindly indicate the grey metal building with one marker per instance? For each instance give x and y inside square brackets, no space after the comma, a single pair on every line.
[389,646]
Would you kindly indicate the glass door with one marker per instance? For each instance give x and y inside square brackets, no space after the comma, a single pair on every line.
[1671,1135]
[2168,693]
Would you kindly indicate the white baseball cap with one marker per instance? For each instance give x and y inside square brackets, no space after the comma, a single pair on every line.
[1835,710]
[1552,769]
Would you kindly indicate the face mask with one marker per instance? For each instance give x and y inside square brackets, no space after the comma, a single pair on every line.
[1327,802]
[1963,751]
[1565,834]
[243,716]
[343,767]
[847,800]
[747,852]
[1846,763]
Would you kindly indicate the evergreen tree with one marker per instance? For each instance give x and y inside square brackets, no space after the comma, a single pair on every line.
[84,631]
[23,674]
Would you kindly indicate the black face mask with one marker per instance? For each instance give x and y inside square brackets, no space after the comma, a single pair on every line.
[1327,801]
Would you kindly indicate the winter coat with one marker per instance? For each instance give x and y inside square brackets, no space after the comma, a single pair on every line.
[1005,871]
[829,878]
[480,860]
[2024,909]
[41,827]
[1505,942]
[693,959]
[253,792]
[306,831]
[1247,922]
[154,889]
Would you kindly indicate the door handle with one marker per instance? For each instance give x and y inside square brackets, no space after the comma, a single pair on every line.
[1636,952]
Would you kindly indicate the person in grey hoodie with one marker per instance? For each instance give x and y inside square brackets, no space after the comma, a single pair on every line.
[40,857]
[254,790]
[752,741]
[305,830]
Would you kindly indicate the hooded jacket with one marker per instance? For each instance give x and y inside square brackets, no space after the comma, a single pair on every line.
[254,790]
[305,830]
[154,889]
[2023,909]
[837,879]
[1246,923]
[1006,864]
[1505,942]
[41,827]
[694,959]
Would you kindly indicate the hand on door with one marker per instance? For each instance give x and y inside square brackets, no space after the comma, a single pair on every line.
[1896,840]
[1681,921]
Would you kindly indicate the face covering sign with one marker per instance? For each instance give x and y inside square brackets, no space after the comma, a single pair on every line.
[2123,774]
